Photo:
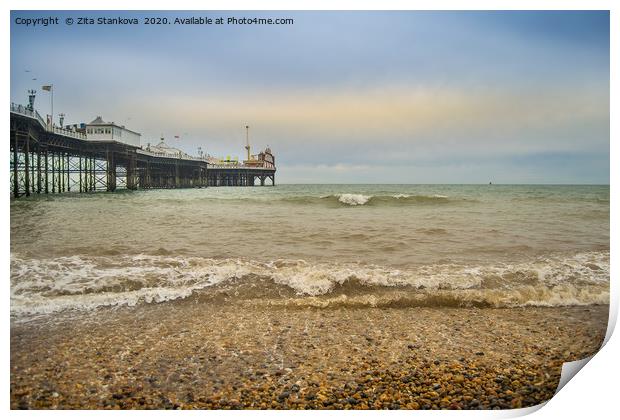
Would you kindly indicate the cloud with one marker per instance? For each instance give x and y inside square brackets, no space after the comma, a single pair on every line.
[500,121]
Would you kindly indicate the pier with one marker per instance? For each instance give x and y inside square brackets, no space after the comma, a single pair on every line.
[45,159]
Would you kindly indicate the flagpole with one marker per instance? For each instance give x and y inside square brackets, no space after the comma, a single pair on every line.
[50,88]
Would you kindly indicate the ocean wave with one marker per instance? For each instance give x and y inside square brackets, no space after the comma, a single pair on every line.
[87,282]
[333,200]
[353,199]
[525,296]
[387,200]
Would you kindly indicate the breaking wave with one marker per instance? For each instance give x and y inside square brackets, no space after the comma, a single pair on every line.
[87,282]
[386,200]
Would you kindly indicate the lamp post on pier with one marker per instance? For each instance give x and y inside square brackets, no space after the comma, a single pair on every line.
[31,95]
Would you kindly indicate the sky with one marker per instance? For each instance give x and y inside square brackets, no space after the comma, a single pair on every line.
[344,97]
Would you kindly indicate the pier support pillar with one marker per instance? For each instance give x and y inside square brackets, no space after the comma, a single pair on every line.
[147,178]
[27,166]
[110,172]
[15,174]
[94,174]
[46,165]
[131,172]
[61,172]
[80,184]
[68,172]
[38,171]
[53,172]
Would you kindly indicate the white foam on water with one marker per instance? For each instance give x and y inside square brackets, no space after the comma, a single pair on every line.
[80,282]
[354,199]
[87,282]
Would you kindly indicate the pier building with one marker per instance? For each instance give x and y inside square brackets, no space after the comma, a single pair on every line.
[99,130]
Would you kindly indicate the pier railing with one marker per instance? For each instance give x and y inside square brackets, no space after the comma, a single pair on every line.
[260,168]
[23,110]
[185,156]
[171,155]
[68,133]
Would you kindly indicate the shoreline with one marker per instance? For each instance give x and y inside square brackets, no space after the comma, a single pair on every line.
[190,354]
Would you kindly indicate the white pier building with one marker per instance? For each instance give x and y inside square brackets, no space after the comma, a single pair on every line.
[99,130]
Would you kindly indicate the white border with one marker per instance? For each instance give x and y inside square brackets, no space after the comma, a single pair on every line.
[591,394]
[309,5]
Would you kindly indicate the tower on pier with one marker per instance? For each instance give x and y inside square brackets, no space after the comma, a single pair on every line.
[247,140]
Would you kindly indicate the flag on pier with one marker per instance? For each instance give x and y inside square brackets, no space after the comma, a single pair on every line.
[47,87]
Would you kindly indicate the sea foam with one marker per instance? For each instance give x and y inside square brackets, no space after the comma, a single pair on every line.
[86,282]
[354,199]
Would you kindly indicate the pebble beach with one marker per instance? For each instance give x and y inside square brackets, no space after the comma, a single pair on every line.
[194,355]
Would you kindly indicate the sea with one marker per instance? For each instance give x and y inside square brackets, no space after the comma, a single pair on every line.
[322,246]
